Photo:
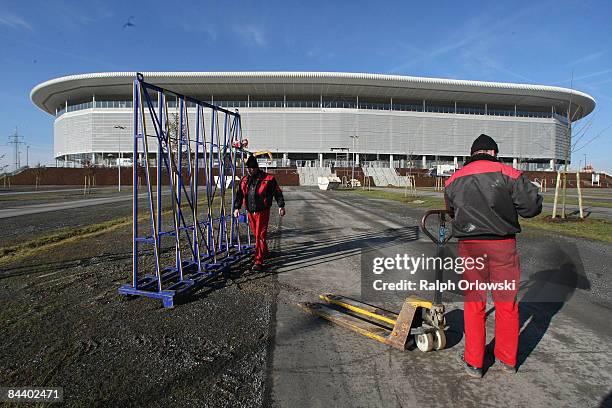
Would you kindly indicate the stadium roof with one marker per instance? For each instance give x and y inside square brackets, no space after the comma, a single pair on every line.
[52,94]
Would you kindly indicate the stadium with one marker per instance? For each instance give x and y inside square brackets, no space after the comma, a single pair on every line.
[322,119]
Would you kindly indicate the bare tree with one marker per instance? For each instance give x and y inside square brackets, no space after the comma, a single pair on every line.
[581,140]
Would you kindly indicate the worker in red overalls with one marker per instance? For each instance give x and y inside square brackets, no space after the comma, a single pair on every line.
[485,199]
[256,191]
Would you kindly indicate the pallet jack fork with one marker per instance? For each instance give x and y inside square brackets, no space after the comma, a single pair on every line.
[420,321]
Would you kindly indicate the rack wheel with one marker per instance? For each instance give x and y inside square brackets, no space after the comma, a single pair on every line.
[425,342]
[440,340]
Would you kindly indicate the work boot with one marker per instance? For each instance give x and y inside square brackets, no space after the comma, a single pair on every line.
[507,368]
[257,267]
[471,370]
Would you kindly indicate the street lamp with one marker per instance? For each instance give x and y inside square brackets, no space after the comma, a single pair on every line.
[119,156]
[354,137]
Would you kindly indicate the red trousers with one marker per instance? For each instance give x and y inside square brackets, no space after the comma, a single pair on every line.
[501,264]
[258,223]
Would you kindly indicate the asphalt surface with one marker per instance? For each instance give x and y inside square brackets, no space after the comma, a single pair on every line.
[22,210]
[598,212]
[32,216]
[246,343]
[25,190]
[564,352]
[596,194]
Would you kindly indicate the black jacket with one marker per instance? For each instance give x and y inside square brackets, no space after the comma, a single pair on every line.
[256,192]
[485,198]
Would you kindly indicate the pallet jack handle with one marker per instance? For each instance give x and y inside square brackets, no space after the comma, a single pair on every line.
[443,236]
[440,239]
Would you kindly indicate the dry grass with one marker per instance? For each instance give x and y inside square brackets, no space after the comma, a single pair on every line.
[11,253]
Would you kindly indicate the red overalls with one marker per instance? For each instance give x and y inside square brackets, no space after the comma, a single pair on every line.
[501,265]
[259,227]
[258,220]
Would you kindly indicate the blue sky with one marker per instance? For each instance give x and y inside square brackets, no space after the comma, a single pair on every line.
[540,42]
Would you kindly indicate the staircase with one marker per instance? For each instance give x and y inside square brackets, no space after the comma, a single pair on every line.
[309,176]
[385,176]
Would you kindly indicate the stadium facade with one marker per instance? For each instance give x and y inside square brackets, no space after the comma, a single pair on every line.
[312,118]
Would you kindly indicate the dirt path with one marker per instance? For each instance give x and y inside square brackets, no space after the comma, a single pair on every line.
[65,325]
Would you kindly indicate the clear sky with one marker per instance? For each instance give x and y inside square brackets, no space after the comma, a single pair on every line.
[535,42]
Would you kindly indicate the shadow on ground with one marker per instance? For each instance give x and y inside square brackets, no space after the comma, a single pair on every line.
[544,293]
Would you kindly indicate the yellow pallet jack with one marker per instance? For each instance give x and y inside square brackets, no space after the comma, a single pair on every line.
[420,322]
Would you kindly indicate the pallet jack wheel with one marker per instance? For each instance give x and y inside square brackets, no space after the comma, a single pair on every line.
[440,340]
[425,342]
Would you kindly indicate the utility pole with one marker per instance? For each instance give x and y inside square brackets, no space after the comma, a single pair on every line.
[354,137]
[16,139]
[27,155]
[119,157]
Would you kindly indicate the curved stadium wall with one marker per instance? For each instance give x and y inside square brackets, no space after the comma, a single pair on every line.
[298,128]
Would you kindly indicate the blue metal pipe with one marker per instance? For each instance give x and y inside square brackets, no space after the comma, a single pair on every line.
[135,100]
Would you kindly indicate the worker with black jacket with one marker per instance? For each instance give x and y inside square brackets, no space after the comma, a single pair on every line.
[485,198]
[256,191]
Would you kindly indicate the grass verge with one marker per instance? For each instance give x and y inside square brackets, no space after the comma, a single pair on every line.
[421,201]
[589,228]
[11,253]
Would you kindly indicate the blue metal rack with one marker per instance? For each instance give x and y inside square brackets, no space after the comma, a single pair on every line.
[203,245]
